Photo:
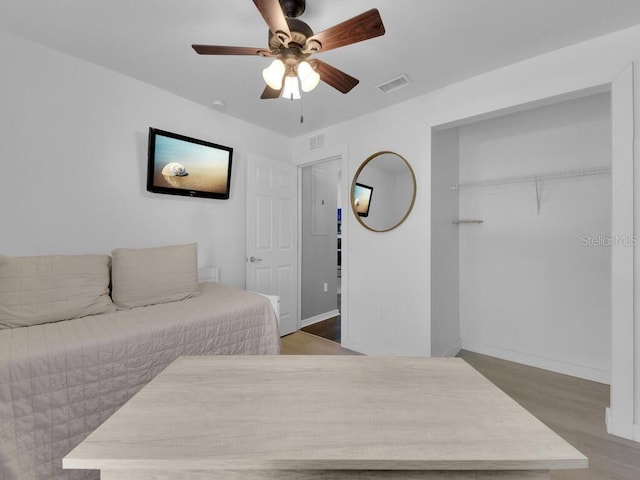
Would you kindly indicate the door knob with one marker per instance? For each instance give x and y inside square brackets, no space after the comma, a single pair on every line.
[253,259]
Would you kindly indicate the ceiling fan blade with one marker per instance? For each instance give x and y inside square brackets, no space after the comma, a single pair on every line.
[362,27]
[270,93]
[334,77]
[272,13]
[225,50]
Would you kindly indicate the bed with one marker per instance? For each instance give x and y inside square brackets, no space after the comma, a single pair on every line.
[59,381]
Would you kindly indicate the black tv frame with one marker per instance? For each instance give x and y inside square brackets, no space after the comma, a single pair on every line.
[155,186]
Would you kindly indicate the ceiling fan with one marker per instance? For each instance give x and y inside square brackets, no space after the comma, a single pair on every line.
[292,41]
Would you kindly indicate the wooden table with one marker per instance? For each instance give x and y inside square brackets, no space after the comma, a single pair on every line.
[322,417]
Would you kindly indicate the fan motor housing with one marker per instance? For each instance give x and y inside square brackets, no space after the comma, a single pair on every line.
[300,31]
[293,8]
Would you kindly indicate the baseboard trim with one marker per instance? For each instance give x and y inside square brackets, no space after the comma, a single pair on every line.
[557,366]
[319,318]
[452,351]
[608,421]
[367,348]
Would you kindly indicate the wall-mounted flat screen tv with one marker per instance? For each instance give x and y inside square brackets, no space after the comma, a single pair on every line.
[180,165]
[362,199]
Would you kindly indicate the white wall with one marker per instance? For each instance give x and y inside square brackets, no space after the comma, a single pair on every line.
[536,289]
[445,295]
[406,128]
[624,270]
[73,155]
[385,285]
[383,276]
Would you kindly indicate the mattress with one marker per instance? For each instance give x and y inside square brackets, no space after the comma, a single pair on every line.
[60,381]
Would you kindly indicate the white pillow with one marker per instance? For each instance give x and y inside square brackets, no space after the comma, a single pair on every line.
[149,276]
[51,288]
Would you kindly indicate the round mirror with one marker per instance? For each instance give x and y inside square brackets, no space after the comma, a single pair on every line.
[383,191]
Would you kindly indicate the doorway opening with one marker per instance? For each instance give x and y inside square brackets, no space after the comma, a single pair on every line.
[521,218]
[320,249]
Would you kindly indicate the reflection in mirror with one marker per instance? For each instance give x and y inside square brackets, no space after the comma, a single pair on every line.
[383,191]
[362,199]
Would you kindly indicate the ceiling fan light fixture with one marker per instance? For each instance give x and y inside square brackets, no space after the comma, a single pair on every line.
[273,74]
[309,78]
[291,41]
[291,91]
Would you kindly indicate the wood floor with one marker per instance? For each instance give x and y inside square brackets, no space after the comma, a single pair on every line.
[329,329]
[303,343]
[572,407]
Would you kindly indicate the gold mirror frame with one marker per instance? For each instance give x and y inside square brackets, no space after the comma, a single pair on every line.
[355,180]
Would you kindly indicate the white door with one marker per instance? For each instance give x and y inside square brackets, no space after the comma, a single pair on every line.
[272,234]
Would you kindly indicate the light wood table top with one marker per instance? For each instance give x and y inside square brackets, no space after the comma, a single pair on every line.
[258,417]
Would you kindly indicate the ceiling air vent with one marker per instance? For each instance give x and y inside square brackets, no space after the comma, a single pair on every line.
[317,142]
[394,84]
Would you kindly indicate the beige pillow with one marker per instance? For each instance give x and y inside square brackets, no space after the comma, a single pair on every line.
[50,288]
[149,276]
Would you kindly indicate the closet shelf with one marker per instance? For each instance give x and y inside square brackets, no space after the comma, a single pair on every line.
[536,177]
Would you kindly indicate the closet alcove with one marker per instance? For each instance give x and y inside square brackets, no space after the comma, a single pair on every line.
[521,237]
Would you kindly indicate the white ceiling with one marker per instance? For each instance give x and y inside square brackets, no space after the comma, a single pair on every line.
[434,42]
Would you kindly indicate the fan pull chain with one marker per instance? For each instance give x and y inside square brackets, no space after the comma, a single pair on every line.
[301,110]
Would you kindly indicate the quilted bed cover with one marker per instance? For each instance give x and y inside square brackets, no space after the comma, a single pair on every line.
[60,381]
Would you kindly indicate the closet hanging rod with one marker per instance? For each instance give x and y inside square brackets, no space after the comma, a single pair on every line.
[458,222]
[581,172]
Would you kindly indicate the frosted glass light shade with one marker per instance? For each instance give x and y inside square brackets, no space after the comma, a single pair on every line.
[291,90]
[309,78]
[272,75]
